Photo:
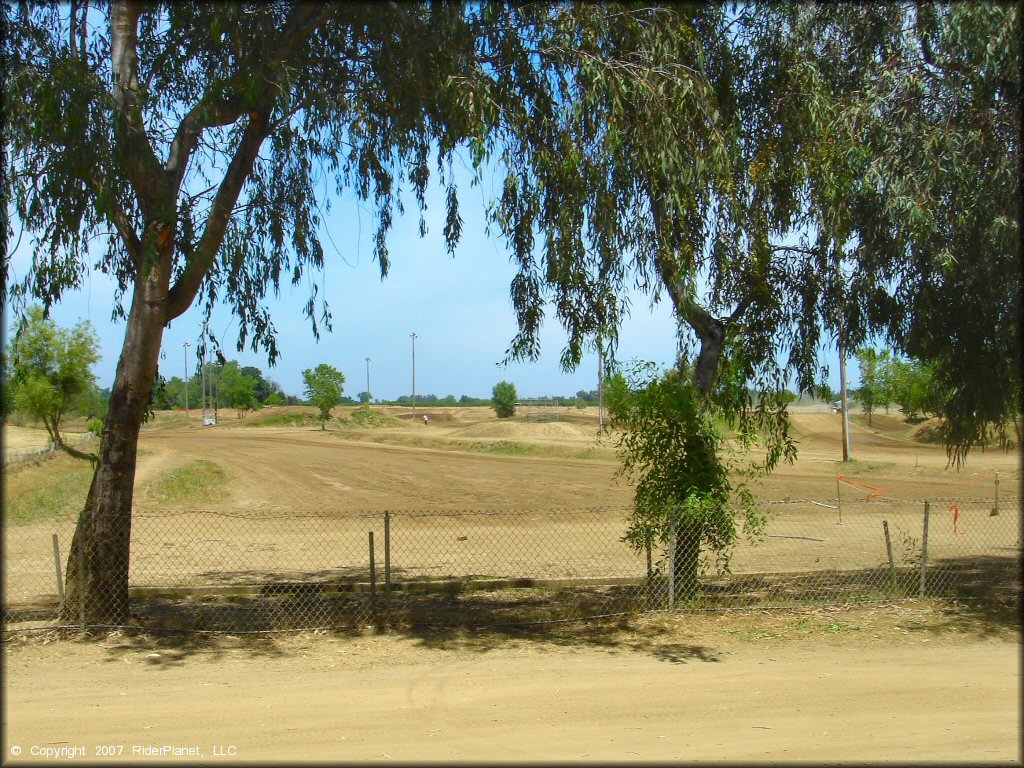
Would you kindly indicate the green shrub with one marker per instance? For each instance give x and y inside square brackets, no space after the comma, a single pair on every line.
[504,397]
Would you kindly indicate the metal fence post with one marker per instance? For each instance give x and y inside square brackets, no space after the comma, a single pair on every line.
[387,555]
[56,565]
[672,562]
[373,580]
[839,501]
[924,549]
[82,580]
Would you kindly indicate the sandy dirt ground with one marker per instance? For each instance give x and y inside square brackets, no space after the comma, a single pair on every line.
[704,689]
[860,685]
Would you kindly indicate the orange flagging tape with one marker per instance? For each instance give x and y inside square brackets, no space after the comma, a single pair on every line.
[956,518]
[867,488]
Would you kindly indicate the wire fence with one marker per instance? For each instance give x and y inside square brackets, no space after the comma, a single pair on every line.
[21,455]
[236,571]
[14,456]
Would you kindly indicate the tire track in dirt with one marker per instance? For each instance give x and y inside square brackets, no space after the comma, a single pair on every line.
[281,470]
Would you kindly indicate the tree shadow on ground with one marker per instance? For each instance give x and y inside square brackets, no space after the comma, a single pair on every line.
[977,596]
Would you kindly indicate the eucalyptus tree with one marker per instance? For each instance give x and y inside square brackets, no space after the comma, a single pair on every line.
[916,177]
[789,175]
[686,189]
[195,137]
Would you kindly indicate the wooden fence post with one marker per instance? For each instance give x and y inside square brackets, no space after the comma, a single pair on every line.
[888,549]
[995,509]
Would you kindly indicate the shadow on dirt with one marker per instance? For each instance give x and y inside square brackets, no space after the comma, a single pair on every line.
[977,597]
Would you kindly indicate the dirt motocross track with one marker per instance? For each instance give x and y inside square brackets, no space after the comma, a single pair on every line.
[867,684]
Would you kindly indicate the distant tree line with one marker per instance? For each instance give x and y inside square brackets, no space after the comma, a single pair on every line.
[229,385]
[887,379]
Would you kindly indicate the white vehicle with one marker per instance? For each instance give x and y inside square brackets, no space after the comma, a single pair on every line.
[837,406]
[210,421]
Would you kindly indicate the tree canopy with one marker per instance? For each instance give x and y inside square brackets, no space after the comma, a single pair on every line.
[503,398]
[51,368]
[324,385]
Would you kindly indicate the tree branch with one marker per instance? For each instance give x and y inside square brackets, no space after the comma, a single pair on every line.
[217,108]
[136,152]
[183,292]
[710,330]
[122,223]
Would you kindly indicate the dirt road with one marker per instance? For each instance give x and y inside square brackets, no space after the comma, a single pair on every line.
[626,697]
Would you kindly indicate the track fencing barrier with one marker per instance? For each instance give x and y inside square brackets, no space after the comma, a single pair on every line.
[250,571]
[14,456]
[21,455]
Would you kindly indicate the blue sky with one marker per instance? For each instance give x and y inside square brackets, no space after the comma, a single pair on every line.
[459,307]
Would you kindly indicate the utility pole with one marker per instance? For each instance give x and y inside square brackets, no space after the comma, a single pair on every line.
[413,336]
[202,375]
[369,397]
[843,402]
[600,385]
[186,346]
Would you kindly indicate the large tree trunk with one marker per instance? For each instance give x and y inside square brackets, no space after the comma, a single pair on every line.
[103,537]
[686,562]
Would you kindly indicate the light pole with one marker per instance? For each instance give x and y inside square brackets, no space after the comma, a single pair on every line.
[202,376]
[369,397]
[413,336]
[186,346]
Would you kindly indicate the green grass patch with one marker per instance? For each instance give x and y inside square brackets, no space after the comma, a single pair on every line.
[51,489]
[199,481]
[370,419]
[284,420]
[509,448]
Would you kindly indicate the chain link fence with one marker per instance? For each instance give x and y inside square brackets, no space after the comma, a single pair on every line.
[239,571]
[14,456]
